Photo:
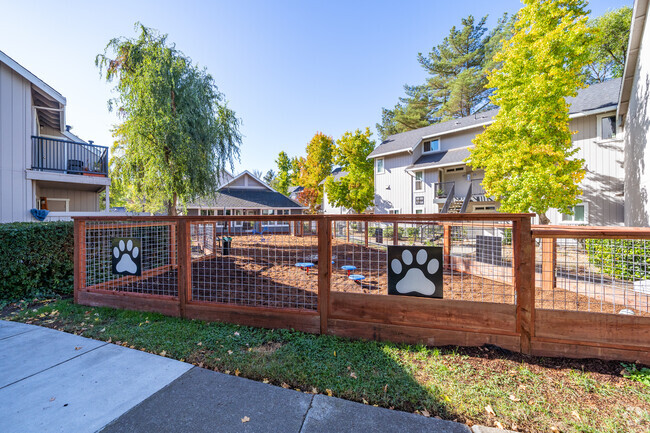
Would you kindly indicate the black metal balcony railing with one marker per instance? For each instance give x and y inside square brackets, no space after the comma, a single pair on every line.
[477,187]
[51,154]
[443,189]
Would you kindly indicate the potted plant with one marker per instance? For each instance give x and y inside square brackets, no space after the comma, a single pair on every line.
[441,193]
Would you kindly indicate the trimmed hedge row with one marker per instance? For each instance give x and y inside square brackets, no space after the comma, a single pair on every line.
[36,258]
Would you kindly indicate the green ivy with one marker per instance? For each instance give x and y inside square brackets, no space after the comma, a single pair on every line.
[625,259]
[36,258]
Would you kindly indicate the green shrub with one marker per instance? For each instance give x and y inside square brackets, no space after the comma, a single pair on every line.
[625,259]
[36,258]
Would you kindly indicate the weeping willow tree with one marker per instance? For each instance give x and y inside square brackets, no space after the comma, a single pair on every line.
[177,134]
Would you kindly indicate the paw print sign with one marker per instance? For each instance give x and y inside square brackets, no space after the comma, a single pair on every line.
[415,271]
[126,256]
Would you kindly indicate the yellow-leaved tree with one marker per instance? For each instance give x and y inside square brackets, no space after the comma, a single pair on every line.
[527,153]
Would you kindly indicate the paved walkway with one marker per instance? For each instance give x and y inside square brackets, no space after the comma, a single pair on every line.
[51,381]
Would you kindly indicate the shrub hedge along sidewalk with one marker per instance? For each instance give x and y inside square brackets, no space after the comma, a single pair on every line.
[36,259]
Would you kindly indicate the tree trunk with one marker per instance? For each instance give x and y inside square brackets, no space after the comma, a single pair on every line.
[543,219]
[171,206]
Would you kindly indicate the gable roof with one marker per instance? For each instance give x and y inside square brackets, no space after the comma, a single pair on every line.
[23,72]
[251,175]
[248,198]
[337,174]
[595,98]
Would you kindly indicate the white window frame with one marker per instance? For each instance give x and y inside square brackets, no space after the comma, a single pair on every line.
[585,205]
[430,140]
[599,127]
[394,211]
[415,200]
[66,200]
[415,179]
[419,210]
[383,168]
[484,208]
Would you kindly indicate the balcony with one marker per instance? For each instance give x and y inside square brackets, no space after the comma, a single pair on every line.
[69,157]
[442,189]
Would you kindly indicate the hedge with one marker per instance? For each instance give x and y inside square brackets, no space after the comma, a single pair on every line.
[35,259]
[624,259]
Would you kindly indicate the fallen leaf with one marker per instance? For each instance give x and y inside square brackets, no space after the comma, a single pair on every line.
[554,429]
[200,364]
[78,347]
[426,413]
[237,372]
[227,371]
[245,419]
[513,398]
[364,401]
[230,352]
[489,410]
[522,386]
[386,388]
[446,398]
[498,424]
[329,392]
[353,375]
[199,343]
[531,402]
[335,353]
[285,386]
[314,390]
[102,330]
[236,334]
[265,380]
[576,415]
[163,353]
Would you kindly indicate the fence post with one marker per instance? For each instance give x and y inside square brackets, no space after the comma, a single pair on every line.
[324,269]
[173,242]
[366,235]
[523,252]
[395,234]
[184,264]
[446,246]
[347,231]
[549,258]
[79,258]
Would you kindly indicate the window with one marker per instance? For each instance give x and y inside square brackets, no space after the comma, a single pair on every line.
[485,208]
[579,215]
[207,212]
[380,165]
[419,181]
[455,170]
[57,204]
[606,127]
[393,211]
[431,146]
[419,200]
[419,211]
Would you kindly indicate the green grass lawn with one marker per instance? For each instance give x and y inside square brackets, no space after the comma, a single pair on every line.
[472,385]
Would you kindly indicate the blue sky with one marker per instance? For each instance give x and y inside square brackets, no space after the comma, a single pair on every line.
[288,68]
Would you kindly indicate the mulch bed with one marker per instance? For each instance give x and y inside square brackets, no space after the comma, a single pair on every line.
[263,273]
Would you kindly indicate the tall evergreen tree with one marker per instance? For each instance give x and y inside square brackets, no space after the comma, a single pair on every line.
[456,86]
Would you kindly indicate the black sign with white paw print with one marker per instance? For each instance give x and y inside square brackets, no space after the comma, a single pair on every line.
[126,256]
[415,271]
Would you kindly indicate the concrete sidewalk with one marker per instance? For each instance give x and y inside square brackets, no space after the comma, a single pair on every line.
[51,381]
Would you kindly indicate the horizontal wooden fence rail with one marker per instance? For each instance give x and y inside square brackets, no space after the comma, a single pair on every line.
[539,290]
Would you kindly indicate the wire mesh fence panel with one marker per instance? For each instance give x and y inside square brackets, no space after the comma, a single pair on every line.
[255,263]
[476,257]
[129,256]
[594,275]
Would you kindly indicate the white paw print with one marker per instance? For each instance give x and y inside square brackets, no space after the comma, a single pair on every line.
[127,252]
[414,280]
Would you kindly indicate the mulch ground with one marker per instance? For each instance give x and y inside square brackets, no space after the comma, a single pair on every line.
[264,273]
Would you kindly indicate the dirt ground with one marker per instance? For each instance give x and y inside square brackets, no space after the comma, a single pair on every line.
[259,272]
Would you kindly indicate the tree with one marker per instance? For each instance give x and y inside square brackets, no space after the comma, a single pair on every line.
[355,190]
[177,134]
[269,178]
[527,153]
[283,178]
[314,169]
[456,86]
[258,173]
[611,33]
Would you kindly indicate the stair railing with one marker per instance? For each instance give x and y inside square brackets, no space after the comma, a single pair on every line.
[467,199]
[450,199]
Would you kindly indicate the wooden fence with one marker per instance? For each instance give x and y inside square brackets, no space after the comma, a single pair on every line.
[257,281]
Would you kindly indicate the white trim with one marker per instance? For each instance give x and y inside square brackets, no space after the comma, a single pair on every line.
[639,16]
[415,181]
[380,155]
[585,205]
[599,127]
[429,141]
[451,131]
[383,166]
[52,176]
[23,72]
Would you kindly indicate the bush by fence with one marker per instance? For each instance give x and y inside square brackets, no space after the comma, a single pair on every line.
[36,258]
[625,259]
